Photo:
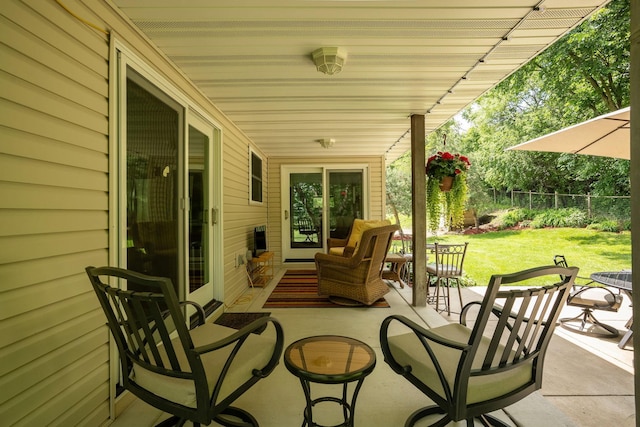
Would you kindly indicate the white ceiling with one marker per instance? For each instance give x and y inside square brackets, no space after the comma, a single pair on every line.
[252,58]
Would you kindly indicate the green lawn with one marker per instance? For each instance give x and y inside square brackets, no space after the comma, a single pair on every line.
[513,250]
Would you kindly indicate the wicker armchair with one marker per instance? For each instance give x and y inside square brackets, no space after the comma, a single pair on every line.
[356,279]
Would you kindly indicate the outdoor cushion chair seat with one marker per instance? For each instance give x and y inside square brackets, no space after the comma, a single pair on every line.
[609,302]
[446,269]
[409,351]
[255,353]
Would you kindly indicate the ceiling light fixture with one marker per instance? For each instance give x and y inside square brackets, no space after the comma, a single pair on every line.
[326,142]
[329,60]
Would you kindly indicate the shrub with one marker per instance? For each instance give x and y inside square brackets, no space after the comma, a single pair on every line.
[516,216]
[606,225]
[568,217]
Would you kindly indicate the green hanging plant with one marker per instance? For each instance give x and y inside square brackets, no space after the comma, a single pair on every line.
[443,200]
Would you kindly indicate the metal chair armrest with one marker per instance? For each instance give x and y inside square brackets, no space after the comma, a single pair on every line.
[425,336]
[496,310]
[199,311]
[420,330]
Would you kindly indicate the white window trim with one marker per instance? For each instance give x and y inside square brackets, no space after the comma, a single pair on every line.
[252,153]
[117,71]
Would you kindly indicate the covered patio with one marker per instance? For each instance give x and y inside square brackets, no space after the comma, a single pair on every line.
[242,75]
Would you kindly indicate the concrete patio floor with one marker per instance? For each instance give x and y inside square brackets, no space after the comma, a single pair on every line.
[587,381]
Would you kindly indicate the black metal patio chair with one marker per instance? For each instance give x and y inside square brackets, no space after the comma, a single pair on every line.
[589,298]
[471,371]
[195,375]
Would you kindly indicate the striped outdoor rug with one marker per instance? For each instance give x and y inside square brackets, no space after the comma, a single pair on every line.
[299,289]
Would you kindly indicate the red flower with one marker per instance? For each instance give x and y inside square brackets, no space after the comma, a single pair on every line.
[446,164]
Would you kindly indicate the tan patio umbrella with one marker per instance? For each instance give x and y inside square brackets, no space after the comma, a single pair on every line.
[608,135]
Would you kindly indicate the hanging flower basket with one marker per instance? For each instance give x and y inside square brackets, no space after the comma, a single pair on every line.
[446,189]
[446,183]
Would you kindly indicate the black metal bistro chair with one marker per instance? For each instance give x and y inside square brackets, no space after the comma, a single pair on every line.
[195,375]
[471,371]
[446,268]
[307,229]
[589,298]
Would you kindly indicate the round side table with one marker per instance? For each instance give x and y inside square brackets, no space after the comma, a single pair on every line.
[330,359]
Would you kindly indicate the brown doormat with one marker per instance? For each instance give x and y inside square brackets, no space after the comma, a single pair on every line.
[240,320]
[299,289]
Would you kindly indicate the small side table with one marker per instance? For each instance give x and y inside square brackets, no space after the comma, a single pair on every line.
[396,268]
[261,269]
[330,359]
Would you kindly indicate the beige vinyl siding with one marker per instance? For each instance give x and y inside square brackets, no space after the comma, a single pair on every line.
[53,216]
[54,202]
[377,199]
[240,217]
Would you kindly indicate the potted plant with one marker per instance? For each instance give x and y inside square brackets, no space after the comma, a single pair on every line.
[446,188]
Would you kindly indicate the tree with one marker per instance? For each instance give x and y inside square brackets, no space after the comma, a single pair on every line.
[590,66]
[582,76]
[398,183]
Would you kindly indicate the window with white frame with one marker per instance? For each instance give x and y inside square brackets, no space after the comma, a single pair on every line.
[255,177]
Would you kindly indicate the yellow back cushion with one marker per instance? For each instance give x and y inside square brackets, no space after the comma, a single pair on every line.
[360,226]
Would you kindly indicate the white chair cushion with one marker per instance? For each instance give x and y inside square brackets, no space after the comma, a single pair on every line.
[408,350]
[445,270]
[254,354]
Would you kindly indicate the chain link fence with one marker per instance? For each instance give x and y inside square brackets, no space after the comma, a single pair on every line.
[618,207]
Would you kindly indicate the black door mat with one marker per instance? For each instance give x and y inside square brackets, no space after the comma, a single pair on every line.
[240,320]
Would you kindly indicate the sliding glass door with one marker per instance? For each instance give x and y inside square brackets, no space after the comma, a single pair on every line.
[168,182]
[153,186]
[318,202]
[199,231]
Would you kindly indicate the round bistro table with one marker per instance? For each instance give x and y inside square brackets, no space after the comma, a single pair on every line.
[330,359]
